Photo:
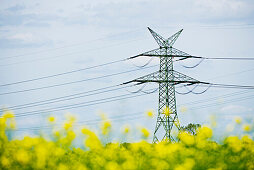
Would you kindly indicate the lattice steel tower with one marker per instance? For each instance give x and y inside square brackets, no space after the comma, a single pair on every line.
[167,78]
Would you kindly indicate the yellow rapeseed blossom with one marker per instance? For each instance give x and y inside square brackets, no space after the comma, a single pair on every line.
[56,133]
[51,119]
[2,123]
[234,142]
[5,162]
[92,141]
[58,150]
[186,138]
[167,111]
[187,165]
[106,127]
[238,120]
[22,156]
[145,132]
[67,125]
[126,129]
[112,166]
[150,113]
[204,132]
[246,127]
[12,124]
[8,114]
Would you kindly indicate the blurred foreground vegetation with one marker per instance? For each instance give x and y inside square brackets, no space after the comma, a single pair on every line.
[196,151]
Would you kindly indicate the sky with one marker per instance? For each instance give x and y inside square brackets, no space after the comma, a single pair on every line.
[41,38]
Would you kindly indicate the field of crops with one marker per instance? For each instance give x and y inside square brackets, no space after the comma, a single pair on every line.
[191,152]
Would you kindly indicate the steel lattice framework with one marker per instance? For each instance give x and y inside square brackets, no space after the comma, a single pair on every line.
[167,78]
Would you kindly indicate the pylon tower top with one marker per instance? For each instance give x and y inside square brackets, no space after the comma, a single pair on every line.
[162,42]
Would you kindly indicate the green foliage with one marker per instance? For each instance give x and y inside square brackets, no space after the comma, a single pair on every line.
[191,128]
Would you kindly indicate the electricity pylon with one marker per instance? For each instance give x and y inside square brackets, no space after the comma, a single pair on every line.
[167,78]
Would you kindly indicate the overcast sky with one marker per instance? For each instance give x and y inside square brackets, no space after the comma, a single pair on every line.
[41,38]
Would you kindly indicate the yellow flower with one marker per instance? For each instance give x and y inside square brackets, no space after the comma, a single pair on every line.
[205,132]
[246,139]
[234,142]
[167,111]
[150,113]
[2,123]
[5,161]
[186,138]
[51,119]
[67,125]
[126,129]
[62,167]
[238,120]
[246,128]
[106,127]
[112,166]
[145,132]
[92,141]
[57,134]
[12,124]
[187,165]
[22,156]
[8,114]
[71,135]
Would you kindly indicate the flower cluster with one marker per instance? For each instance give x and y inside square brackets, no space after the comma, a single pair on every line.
[197,151]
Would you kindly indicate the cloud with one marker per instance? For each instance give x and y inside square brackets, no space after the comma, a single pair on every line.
[26,37]
[15,8]
[224,8]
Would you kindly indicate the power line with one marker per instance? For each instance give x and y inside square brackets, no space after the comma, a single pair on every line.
[73,82]
[92,122]
[228,101]
[58,99]
[50,101]
[62,97]
[78,105]
[61,74]
[210,58]
[216,97]
[228,86]
[226,58]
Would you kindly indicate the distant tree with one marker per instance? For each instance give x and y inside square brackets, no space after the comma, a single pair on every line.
[190,128]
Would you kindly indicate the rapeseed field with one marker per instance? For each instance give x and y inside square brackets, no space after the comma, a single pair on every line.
[197,151]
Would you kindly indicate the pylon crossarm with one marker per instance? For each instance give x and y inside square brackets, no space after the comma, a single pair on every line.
[166,52]
[174,82]
[175,52]
[156,52]
[182,77]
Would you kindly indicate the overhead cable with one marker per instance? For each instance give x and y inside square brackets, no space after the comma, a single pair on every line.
[73,82]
